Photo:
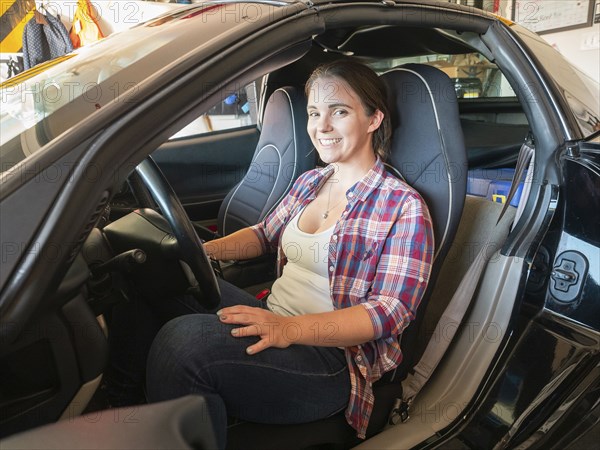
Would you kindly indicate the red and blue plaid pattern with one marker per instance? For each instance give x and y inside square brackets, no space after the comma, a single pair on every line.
[380,255]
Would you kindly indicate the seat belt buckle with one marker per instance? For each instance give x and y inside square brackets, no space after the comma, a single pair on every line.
[263,294]
[401,412]
[216,266]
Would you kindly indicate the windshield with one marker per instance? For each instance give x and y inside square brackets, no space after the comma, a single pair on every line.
[81,75]
[45,101]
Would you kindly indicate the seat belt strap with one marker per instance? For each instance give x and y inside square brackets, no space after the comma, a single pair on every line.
[525,155]
[454,313]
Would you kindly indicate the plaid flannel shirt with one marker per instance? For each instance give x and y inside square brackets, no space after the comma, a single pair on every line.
[380,255]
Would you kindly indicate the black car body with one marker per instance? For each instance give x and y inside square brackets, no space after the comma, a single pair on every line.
[524,369]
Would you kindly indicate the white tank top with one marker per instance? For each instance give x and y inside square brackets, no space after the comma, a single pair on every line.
[303,287]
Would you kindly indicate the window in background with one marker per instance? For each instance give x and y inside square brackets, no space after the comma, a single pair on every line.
[237,109]
[473,75]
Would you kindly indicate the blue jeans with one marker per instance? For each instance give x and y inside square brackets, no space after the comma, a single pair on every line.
[196,354]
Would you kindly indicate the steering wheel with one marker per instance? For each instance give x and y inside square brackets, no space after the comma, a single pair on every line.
[199,271]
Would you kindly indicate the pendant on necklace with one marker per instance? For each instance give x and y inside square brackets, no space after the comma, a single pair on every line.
[325,215]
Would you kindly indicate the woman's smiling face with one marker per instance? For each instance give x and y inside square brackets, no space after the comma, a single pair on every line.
[338,125]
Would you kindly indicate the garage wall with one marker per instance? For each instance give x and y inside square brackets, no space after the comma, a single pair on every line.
[580,46]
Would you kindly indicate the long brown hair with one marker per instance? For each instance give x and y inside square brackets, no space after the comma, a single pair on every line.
[370,90]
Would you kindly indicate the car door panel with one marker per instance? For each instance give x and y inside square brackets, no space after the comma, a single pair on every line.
[170,424]
[203,169]
[46,364]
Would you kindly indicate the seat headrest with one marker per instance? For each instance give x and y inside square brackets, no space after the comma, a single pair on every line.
[284,104]
[427,143]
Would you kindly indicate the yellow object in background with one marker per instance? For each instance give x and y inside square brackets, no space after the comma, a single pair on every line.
[85,29]
[14,15]
[499,198]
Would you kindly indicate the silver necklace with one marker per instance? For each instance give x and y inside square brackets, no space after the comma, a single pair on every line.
[325,215]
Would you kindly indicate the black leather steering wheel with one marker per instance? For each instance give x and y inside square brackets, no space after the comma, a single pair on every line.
[204,286]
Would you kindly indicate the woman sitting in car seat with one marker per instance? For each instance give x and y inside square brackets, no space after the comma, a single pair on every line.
[355,248]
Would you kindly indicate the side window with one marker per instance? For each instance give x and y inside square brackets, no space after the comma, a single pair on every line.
[237,109]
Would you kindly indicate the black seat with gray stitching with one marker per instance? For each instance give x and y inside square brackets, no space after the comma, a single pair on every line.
[428,145]
[428,150]
[283,153]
